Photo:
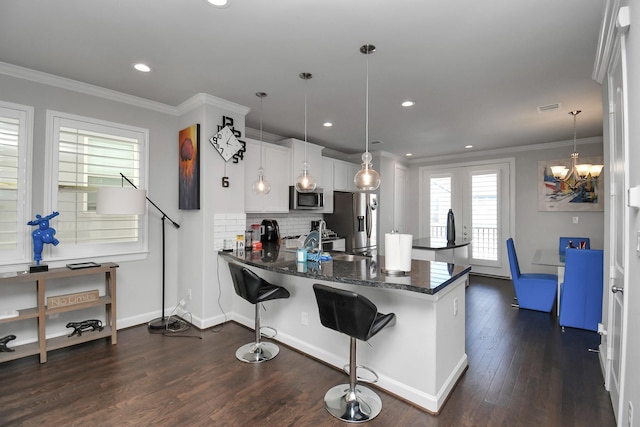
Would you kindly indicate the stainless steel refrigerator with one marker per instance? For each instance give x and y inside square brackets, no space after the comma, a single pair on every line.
[354,217]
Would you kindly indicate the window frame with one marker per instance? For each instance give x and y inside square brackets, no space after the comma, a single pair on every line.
[21,254]
[122,251]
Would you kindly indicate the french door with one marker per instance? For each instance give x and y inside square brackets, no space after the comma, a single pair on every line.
[480,195]
[615,340]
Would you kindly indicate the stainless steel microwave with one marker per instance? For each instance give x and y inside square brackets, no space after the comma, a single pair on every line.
[306,201]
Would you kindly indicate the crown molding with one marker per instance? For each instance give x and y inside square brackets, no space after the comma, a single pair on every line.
[197,100]
[266,136]
[84,88]
[200,99]
[508,150]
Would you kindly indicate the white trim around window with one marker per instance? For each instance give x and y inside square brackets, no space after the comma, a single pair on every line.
[16,142]
[81,155]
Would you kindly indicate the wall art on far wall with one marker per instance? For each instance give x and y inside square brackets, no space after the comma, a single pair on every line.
[561,196]
[189,167]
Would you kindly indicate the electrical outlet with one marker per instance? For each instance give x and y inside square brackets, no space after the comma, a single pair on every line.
[576,220]
[304,318]
[189,294]
[54,315]
[183,303]
[455,306]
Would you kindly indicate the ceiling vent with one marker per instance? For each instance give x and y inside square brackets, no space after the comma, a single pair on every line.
[548,108]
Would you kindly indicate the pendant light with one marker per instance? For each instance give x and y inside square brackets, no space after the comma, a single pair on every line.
[579,173]
[305,183]
[261,186]
[367,179]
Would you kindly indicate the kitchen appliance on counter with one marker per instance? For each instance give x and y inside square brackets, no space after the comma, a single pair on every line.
[270,231]
[270,252]
[355,218]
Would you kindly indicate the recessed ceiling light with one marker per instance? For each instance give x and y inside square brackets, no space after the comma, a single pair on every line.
[327,124]
[468,146]
[142,67]
[409,154]
[218,3]
[408,103]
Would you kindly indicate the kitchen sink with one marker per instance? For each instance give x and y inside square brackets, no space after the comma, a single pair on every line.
[349,257]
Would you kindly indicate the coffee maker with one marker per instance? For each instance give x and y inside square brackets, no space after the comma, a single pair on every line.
[270,231]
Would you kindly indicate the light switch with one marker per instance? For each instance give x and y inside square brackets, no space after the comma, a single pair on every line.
[576,219]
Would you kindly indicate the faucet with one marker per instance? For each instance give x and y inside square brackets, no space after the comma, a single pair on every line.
[320,226]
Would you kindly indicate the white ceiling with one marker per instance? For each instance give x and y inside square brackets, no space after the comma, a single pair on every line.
[477,70]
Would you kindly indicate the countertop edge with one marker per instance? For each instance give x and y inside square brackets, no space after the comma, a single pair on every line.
[361,282]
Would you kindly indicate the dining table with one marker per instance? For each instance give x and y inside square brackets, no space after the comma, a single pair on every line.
[551,258]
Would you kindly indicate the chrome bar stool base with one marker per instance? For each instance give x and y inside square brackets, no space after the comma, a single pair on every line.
[257,353]
[256,290]
[365,405]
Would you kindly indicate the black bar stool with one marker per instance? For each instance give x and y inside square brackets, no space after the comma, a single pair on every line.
[356,316]
[251,287]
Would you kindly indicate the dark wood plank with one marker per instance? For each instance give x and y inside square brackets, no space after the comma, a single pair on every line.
[523,371]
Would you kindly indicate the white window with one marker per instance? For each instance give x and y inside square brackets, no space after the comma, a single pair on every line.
[484,215]
[479,193]
[82,155]
[16,124]
[440,203]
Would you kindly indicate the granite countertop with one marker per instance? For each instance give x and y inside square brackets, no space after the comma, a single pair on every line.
[435,244]
[427,277]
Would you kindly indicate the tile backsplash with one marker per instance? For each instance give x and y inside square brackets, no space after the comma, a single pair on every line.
[291,224]
[227,226]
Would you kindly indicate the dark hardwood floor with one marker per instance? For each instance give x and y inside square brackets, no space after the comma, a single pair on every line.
[523,371]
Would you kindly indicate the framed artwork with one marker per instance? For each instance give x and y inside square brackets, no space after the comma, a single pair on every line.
[569,196]
[189,167]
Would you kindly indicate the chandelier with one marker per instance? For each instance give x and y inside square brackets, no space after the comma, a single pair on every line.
[581,176]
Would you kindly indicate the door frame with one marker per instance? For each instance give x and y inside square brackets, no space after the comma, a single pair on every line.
[613,346]
[423,209]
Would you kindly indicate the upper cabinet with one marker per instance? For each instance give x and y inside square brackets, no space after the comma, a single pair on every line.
[328,183]
[277,171]
[343,173]
[297,156]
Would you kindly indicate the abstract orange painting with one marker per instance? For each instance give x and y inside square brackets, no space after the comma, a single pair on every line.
[189,164]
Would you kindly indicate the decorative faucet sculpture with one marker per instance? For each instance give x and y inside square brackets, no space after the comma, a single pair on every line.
[43,234]
[321,225]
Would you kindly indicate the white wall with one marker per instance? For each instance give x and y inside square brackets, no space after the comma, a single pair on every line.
[139,283]
[528,220]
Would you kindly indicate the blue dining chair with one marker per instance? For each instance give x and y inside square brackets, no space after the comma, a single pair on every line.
[564,242]
[581,292]
[534,291]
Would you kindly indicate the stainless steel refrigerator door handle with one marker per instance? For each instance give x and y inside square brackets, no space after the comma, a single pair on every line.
[616,289]
[369,214]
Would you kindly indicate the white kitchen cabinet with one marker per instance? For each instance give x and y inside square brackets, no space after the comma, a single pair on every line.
[297,156]
[277,171]
[328,183]
[343,173]
[340,174]
[353,170]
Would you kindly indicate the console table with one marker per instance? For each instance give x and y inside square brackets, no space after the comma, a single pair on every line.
[41,311]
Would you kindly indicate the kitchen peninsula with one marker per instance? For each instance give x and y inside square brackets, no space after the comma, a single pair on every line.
[419,359]
[438,249]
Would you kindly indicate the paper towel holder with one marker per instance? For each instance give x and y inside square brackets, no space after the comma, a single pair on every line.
[397,273]
[393,272]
